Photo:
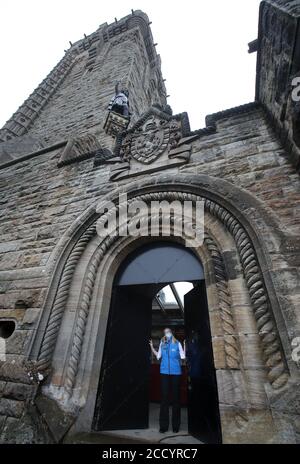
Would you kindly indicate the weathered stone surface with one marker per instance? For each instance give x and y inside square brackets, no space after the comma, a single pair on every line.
[58,421]
[13,371]
[259,428]
[30,316]
[17,391]
[2,422]
[278,39]
[29,429]
[46,199]
[11,408]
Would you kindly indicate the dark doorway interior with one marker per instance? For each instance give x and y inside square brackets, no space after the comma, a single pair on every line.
[124,386]
[203,404]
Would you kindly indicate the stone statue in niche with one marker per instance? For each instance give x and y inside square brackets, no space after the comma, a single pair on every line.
[119,114]
[120,102]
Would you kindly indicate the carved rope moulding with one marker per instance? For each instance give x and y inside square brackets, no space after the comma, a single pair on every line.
[273,357]
[149,141]
[225,304]
[231,349]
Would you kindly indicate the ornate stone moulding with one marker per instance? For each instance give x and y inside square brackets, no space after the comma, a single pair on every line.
[156,141]
[231,211]
[275,364]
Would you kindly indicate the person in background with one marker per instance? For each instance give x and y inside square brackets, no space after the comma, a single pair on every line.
[170,353]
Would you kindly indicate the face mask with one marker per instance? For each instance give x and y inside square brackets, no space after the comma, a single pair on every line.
[168,334]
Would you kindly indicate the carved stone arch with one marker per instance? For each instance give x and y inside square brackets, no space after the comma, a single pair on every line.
[215,275]
[232,352]
[248,257]
[226,215]
[243,206]
[211,258]
[101,299]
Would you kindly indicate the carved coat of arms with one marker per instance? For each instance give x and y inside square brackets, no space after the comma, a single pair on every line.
[150,140]
[156,141]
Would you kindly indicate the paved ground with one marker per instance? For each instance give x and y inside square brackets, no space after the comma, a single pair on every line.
[151,435]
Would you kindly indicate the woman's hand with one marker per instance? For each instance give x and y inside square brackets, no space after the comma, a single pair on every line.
[151,343]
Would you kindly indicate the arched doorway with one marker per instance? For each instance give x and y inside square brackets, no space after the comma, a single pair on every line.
[123,391]
[252,365]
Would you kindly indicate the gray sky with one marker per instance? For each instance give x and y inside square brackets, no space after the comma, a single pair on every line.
[203,46]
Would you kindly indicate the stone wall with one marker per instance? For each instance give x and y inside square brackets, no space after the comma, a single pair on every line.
[74,97]
[35,214]
[244,151]
[278,63]
[41,200]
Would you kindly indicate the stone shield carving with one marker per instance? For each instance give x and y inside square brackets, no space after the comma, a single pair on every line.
[150,140]
[156,141]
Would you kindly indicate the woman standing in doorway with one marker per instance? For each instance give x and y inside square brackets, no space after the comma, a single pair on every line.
[171,353]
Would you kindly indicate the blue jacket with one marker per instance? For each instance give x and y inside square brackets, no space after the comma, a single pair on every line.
[170,358]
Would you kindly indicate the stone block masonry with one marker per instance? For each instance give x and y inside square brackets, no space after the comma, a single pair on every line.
[73,99]
[239,163]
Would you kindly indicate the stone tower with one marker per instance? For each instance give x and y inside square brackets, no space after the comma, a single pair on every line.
[61,173]
[72,100]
